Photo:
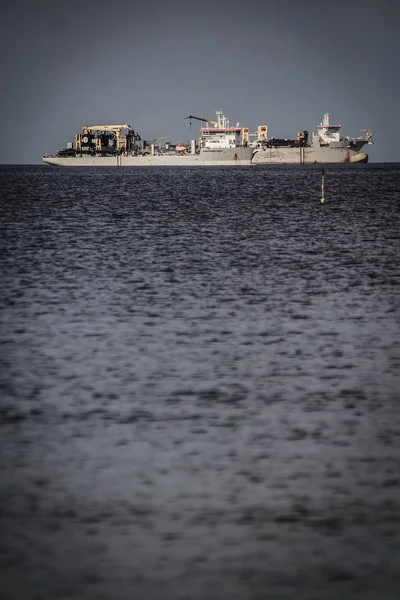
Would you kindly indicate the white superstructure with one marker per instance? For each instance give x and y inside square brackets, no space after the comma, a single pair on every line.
[221,135]
[328,133]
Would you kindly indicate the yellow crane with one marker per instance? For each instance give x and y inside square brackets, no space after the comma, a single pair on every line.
[114,128]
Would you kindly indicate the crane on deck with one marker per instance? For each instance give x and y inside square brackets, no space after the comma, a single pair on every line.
[113,128]
[201,119]
[123,133]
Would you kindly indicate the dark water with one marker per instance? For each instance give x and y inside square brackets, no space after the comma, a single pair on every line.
[200,375]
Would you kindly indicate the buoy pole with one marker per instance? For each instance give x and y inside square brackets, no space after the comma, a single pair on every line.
[323,186]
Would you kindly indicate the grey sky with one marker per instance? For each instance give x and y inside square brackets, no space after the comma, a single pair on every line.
[282,63]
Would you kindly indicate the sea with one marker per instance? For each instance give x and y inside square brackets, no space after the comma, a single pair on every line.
[200,383]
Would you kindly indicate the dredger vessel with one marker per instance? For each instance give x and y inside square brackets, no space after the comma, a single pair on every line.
[219,144]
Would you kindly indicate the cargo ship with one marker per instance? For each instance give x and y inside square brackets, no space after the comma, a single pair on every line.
[219,144]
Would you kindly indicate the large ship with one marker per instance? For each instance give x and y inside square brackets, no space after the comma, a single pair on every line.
[218,144]
[326,146]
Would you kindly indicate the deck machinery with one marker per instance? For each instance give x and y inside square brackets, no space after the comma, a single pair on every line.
[108,139]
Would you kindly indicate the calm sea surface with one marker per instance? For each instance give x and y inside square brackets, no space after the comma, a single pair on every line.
[200,383]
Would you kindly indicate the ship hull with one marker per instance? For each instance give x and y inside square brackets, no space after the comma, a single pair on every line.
[308,155]
[260,157]
[222,157]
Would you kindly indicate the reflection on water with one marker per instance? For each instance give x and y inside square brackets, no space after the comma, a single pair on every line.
[200,374]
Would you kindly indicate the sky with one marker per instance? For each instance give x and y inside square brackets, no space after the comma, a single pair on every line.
[280,63]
